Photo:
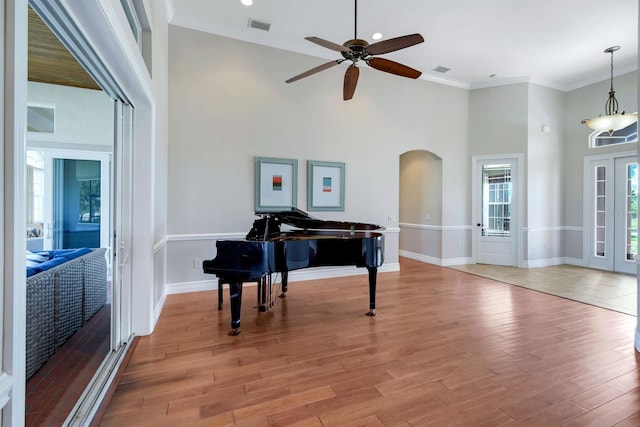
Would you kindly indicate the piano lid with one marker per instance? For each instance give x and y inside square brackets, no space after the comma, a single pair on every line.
[300,219]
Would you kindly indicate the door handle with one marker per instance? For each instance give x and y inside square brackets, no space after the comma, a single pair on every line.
[125,254]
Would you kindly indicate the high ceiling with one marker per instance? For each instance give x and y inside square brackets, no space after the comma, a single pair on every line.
[555,43]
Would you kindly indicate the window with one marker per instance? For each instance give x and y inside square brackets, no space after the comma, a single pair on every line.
[600,200]
[41,119]
[137,18]
[622,136]
[89,201]
[35,187]
[631,214]
[497,193]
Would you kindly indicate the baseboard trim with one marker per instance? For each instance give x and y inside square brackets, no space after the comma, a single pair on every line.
[420,257]
[184,287]
[436,261]
[294,276]
[544,262]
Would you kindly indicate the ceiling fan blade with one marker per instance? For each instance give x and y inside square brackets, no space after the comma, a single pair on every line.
[350,82]
[329,45]
[313,71]
[394,44]
[393,67]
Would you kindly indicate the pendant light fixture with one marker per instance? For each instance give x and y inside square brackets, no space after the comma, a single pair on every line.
[612,120]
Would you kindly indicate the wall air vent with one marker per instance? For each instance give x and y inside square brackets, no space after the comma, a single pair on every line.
[441,69]
[259,25]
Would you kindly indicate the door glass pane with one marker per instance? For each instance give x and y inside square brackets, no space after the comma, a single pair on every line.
[496,200]
[76,200]
[600,201]
[632,212]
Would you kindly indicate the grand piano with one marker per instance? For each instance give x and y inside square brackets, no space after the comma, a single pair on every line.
[313,242]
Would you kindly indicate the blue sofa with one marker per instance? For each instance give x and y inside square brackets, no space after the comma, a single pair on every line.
[65,288]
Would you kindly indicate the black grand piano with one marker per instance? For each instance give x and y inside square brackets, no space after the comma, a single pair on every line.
[312,243]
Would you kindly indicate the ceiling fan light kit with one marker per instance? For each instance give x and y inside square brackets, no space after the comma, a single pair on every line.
[356,50]
[612,120]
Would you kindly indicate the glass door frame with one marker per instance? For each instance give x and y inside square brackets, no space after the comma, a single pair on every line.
[517,207]
[608,161]
[105,189]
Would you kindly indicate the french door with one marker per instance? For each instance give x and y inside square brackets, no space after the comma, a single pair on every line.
[496,198]
[76,199]
[612,213]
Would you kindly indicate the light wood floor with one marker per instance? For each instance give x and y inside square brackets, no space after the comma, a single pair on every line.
[447,348]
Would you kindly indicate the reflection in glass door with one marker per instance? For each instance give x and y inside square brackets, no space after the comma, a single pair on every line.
[76,203]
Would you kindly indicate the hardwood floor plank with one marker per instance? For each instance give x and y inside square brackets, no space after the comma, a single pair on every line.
[446,348]
[610,413]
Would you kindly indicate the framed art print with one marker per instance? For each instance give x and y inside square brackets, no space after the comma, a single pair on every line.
[276,184]
[325,186]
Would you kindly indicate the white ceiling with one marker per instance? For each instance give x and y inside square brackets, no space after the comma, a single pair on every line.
[555,43]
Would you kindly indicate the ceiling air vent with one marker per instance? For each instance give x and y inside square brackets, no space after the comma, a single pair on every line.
[441,69]
[259,25]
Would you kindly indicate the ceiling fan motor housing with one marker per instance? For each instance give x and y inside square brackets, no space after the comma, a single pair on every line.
[357,47]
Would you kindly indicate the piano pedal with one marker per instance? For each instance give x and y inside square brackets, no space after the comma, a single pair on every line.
[267,306]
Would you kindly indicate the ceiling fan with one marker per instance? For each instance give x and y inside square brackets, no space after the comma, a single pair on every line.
[356,50]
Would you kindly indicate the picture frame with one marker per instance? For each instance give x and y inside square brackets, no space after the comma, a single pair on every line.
[276,184]
[325,186]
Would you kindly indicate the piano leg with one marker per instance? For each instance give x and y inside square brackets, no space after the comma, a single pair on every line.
[235,294]
[265,286]
[285,283]
[372,290]
[220,291]
[260,292]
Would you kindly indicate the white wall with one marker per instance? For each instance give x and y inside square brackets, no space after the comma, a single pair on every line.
[499,120]
[545,192]
[157,15]
[82,116]
[420,188]
[229,103]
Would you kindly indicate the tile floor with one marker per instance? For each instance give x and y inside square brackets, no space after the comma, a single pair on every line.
[604,289]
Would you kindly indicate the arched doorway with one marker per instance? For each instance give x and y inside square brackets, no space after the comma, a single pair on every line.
[421,206]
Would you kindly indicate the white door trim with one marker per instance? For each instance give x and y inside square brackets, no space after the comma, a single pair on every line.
[105,164]
[14,90]
[608,160]
[517,201]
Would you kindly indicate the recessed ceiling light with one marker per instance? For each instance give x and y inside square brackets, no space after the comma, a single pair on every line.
[376,36]
[246,2]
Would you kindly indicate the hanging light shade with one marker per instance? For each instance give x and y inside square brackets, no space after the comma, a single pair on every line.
[612,120]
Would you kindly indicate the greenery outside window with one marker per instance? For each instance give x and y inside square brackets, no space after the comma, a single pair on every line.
[89,201]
